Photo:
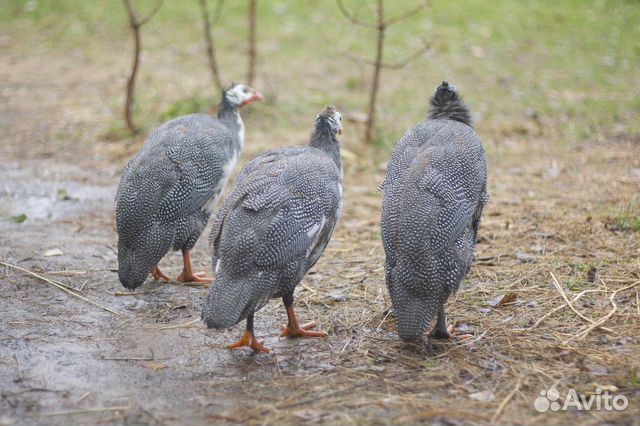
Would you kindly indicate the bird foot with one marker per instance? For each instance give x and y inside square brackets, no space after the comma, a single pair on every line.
[190,277]
[442,333]
[157,274]
[248,339]
[301,331]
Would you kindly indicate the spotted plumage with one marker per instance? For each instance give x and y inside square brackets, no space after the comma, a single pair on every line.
[274,225]
[169,189]
[434,194]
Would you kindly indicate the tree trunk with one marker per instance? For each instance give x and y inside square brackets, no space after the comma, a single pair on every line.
[131,82]
[211,54]
[251,71]
[371,119]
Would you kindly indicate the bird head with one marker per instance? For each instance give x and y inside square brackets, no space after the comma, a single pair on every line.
[446,92]
[331,119]
[240,95]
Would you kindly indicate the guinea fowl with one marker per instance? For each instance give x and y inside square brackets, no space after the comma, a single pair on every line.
[272,228]
[434,194]
[170,188]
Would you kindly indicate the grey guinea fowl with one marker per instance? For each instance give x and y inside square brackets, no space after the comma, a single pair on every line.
[170,188]
[272,228]
[434,192]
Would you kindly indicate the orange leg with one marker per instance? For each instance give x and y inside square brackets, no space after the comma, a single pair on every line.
[293,329]
[157,274]
[187,275]
[249,339]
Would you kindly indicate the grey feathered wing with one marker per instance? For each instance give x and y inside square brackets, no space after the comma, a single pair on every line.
[269,231]
[428,231]
[171,179]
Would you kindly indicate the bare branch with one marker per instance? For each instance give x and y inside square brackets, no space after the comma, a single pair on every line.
[393,66]
[151,14]
[217,13]
[133,17]
[251,66]
[407,14]
[357,59]
[135,23]
[353,19]
[380,26]
[208,38]
[406,61]
[377,71]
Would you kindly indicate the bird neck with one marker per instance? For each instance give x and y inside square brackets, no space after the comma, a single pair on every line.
[229,116]
[325,140]
[449,106]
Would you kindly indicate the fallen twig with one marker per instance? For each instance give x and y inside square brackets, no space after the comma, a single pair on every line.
[61,287]
[557,308]
[170,327]
[127,293]
[86,410]
[570,305]
[612,300]
[505,401]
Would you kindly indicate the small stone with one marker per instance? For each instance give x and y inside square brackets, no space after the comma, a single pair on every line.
[337,296]
[524,257]
[484,396]
[53,252]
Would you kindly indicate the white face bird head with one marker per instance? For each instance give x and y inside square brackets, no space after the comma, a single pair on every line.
[331,118]
[240,95]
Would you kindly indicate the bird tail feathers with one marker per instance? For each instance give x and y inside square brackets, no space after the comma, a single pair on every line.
[230,300]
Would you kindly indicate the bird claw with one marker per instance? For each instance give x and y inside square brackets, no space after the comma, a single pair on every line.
[198,277]
[438,333]
[250,340]
[301,331]
[157,274]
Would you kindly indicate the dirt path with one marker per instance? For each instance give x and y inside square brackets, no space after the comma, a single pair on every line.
[64,361]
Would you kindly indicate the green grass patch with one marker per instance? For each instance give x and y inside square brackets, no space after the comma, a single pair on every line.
[572,62]
[186,106]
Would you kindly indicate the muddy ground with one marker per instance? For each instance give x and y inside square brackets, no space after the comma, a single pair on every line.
[145,359]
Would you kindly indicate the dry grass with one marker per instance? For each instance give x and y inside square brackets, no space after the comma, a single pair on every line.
[573,324]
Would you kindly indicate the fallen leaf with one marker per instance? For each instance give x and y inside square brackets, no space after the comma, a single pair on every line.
[155,365]
[463,328]
[610,388]
[63,195]
[19,218]
[309,415]
[53,252]
[503,300]
[484,396]
[625,340]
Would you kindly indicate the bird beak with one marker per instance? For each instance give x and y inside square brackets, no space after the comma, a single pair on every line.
[340,131]
[255,96]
